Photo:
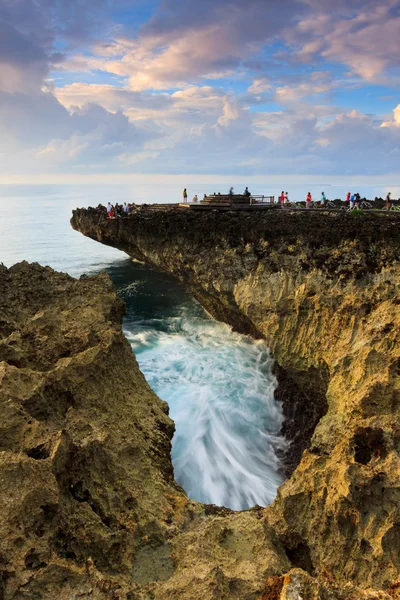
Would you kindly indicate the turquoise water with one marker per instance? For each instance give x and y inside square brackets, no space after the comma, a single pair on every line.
[218,384]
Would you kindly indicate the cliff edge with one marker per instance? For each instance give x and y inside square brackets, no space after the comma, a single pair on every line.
[89,506]
[323,290]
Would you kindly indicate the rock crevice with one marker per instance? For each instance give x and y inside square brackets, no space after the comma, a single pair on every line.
[323,290]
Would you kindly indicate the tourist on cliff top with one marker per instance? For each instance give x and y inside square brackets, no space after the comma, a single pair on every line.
[286,198]
[308,200]
[357,200]
[323,199]
[195,198]
[205,197]
[352,199]
[185,195]
[125,208]
[109,208]
[348,197]
[388,203]
[246,192]
[282,198]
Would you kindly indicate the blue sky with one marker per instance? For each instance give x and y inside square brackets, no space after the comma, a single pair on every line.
[296,87]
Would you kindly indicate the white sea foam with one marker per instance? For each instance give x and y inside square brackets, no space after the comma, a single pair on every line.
[220,389]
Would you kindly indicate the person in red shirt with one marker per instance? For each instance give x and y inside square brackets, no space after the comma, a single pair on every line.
[308,200]
[348,197]
[282,199]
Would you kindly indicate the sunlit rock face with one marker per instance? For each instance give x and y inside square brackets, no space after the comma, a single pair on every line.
[323,290]
[89,506]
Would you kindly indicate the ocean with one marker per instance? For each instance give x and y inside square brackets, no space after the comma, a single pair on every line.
[218,384]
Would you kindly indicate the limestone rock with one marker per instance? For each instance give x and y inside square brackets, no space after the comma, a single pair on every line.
[89,506]
[323,290]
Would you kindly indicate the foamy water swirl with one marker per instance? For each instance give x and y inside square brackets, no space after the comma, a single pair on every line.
[220,389]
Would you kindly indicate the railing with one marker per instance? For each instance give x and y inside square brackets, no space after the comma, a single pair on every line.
[237,200]
[262,199]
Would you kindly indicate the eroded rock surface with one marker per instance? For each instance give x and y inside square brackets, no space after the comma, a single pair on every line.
[89,506]
[323,290]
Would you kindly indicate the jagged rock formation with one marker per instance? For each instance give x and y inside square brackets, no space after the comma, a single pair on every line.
[323,290]
[89,507]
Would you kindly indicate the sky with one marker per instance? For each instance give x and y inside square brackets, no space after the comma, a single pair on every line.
[218,87]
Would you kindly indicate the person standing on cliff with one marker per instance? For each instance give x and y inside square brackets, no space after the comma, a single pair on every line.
[185,195]
[308,200]
[109,209]
[388,203]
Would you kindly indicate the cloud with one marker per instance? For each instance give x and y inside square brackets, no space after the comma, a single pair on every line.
[155,97]
[361,35]
[395,122]
[260,85]
[30,30]
[40,133]
[184,42]
[25,46]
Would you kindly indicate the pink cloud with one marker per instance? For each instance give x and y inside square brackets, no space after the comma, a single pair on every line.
[365,36]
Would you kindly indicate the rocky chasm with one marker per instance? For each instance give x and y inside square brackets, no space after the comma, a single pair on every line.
[323,290]
[90,509]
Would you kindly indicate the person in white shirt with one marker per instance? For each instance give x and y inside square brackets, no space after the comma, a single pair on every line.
[109,207]
[195,198]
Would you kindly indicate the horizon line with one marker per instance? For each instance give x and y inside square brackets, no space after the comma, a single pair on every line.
[125,178]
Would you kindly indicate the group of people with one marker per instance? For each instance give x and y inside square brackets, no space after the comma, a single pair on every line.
[309,200]
[196,199]
[353,200]
[283,199]
[119,210]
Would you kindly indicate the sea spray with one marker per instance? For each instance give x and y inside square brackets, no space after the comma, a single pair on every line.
[220,389]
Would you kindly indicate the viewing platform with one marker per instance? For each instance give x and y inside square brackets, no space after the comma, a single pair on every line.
[232,202]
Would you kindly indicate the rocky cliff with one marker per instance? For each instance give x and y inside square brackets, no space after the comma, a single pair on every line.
[323,290]
[89,507]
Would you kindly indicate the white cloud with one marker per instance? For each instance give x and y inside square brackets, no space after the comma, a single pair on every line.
[395,122]
[260,86]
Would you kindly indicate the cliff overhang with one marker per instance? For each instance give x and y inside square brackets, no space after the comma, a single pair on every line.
[323,290]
